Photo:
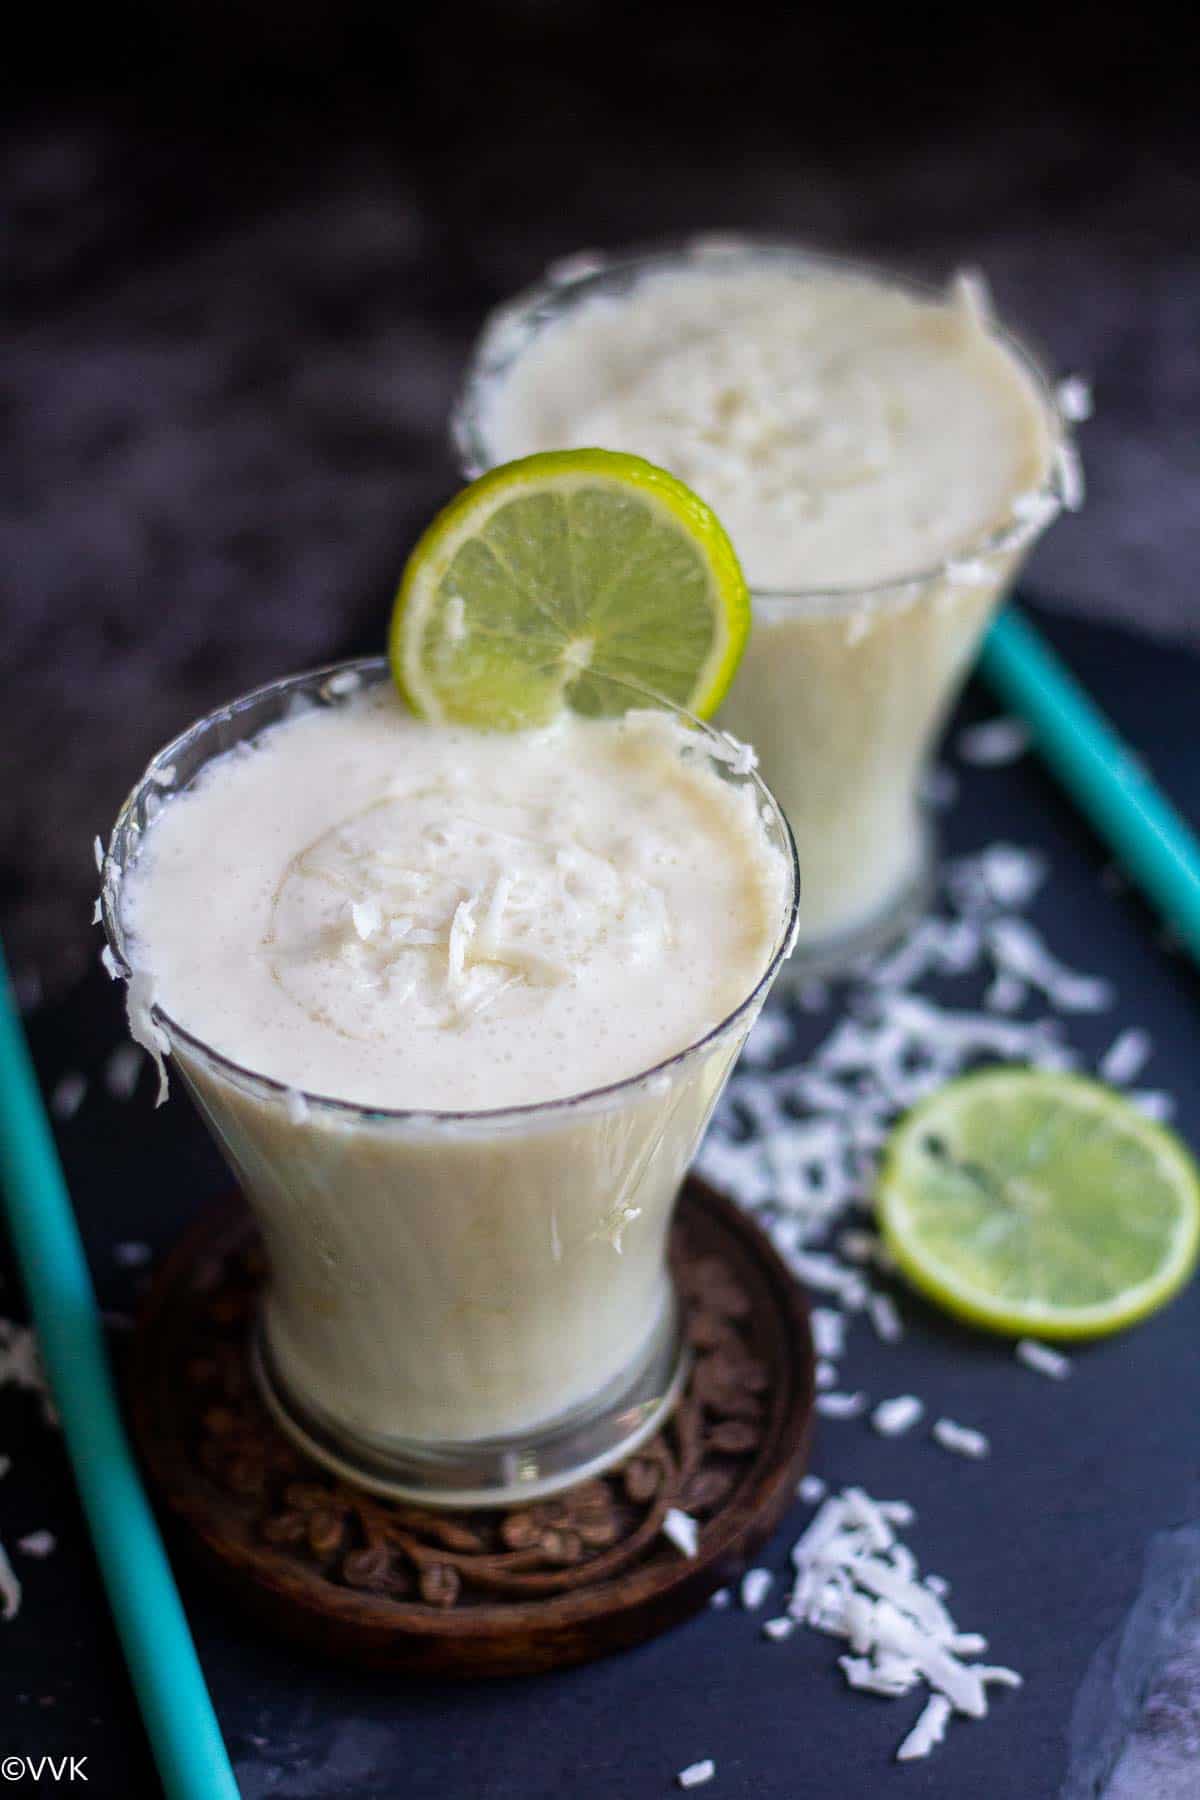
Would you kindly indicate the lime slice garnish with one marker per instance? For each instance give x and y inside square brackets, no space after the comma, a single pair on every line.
[1039,1204]
[578,578]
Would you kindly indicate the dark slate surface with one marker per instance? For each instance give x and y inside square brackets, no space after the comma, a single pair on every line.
[1044,1543]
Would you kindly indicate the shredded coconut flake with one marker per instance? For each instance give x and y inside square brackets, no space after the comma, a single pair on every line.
[1043,1360]
[367,918]
[885,1317]
[961,1440]
[697,1773]
[683,1531]
[992,1676]
[928,1731]
[37,1544]
[1074,396]
[98,853]
[756,1585]
[815,1268]
[741,758]
[829,1332]
[1126,1057]
[139,1008]
[812,1488]
[1070,476]
[841,1406]
[462,930]
[892,1418]
[1020,952]
[994,743]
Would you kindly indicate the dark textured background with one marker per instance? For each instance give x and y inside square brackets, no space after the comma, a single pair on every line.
[247,249]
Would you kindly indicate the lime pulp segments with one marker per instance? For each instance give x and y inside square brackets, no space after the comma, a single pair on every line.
[586,578]
[1038,1203]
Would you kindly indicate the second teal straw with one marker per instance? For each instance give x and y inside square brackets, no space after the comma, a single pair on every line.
[153,1628]
[1152,840]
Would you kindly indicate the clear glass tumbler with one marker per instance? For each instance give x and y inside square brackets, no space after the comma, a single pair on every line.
[464,1308]
[843,691]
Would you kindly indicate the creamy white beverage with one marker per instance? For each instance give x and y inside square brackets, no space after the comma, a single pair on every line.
[881,458]
[458,1005]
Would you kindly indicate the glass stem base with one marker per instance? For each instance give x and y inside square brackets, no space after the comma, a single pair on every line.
[503,1471]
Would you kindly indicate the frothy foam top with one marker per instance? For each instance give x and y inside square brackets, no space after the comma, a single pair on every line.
[414,916]
[845,431]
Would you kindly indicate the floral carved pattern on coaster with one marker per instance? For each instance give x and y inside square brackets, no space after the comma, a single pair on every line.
[445,1559]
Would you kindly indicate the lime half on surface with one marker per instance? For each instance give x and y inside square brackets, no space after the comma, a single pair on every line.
[1039,1204]
[573,578]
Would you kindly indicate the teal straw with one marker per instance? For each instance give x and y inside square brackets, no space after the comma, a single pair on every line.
[1152,840]
[178,1714]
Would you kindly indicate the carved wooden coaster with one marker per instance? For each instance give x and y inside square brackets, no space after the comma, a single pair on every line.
[481,1592]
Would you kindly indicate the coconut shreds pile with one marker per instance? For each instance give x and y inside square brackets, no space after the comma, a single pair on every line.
[854,1579]
[797,1145]
[796,1142]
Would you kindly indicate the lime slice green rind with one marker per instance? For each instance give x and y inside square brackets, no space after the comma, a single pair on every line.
[582,578]
[1039,1204]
